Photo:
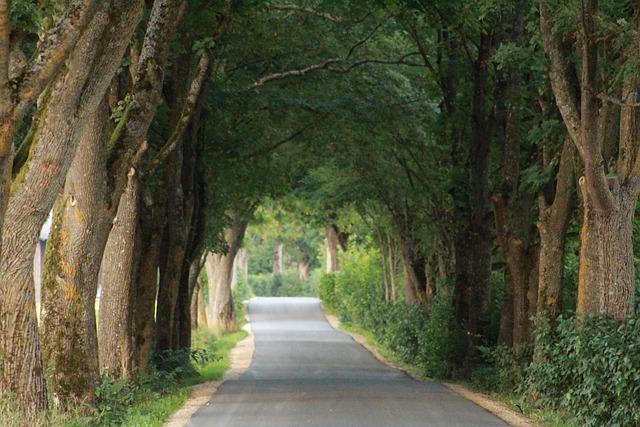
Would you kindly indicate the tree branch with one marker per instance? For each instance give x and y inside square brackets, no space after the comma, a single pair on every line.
[299,72]
[326,65]
[53,51]
[595,177]
[196,88]
[309,11]
[266,150]
[559,76]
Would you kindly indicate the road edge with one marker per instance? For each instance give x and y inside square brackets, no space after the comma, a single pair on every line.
[497,408]
[240,357]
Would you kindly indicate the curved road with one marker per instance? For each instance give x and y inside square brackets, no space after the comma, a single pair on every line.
[305,373]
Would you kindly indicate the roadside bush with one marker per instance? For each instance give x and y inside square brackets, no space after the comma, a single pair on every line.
[442,342]
[504,369]
[327,291]
[590,368]
[429,340]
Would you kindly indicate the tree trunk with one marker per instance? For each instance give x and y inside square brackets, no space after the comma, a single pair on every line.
[115,333]
[79,233]
[303,270]
[202,309]
[76,93]
[222,315]
[278,259]
[152,227]
[171,272]
[195,304]
[553,222]
[242,263]
[332,243]
[218,267]
[607,274]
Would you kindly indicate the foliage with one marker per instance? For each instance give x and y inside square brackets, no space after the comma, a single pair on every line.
[287,284]
[590,367]
[430,340]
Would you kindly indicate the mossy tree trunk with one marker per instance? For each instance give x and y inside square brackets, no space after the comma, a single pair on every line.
[119,263]
[73,255]
[554,217]
[74,94]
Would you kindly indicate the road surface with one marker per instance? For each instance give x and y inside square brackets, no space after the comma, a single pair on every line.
[305,373]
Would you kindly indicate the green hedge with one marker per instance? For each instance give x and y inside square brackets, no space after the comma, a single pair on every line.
[430,340]
[590,368]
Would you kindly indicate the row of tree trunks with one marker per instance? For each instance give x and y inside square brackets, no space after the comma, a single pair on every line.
[389,260]
[76,94]
[607,274]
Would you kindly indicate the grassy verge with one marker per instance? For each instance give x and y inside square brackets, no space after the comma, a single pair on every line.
[147,404]
[544,417]
[154,412]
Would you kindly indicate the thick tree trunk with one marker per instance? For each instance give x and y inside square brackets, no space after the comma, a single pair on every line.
[553,222]
[222,315]
[219,267]
[332,244]
[152,227]
[607,274]
[115,331]
[171,272]
[74,251]
[75,94]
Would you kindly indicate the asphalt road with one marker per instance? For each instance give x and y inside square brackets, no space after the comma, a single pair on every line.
[305,373]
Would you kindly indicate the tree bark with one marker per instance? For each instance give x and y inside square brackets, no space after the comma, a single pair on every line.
[73,255]
[16,100]
[76,93]
[552,224]
[152,228]
[115,333]
[332,243]
[218,267]
[171,272]
[607,274]
[606,278]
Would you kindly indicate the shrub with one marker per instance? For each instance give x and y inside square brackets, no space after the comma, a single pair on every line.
[442,342]
[327,291]
[113,399]
[429,340]
[589,367]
